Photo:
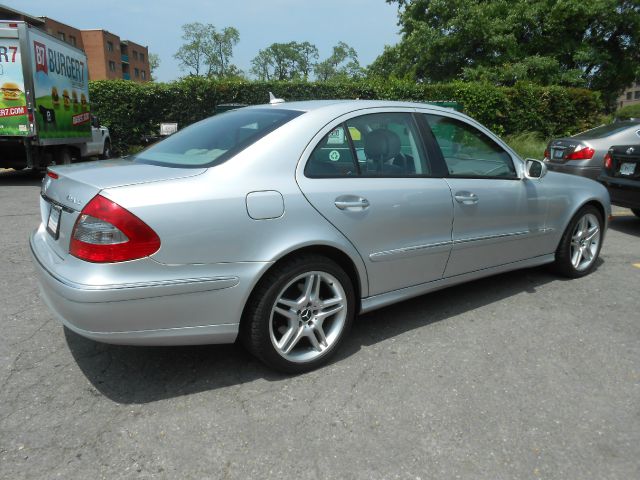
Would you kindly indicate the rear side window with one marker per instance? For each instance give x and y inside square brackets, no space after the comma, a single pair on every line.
[216,139]
[374,145]
[468,152]
[333,157]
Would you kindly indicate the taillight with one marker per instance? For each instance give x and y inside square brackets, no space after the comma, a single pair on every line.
[581,153]
[106,232]
[52,174]
[608,161]
[546,153]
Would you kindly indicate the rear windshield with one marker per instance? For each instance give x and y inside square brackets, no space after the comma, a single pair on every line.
[216,139]
[606,130]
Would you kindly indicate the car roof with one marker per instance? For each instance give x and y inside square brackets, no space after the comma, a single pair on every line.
[347,105]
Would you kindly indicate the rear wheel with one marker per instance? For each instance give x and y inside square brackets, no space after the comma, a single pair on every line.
[636,211]
[63,156]
[580,244]
[299,314]
[106,151]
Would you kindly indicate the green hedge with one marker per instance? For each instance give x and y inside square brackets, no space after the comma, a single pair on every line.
[132,110]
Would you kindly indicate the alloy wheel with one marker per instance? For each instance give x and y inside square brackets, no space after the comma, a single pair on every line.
[308,316]
[585,242]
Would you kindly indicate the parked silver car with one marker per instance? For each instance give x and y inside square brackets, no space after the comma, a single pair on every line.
[277,224]
[583,154]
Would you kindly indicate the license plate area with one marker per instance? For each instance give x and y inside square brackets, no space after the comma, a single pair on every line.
[53,221]
[627,168]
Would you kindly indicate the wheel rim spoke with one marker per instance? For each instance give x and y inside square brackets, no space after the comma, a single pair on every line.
[320,333]
[293,340]
[327,313]
[286,313]
[577,256]
[314,341]
[592,233]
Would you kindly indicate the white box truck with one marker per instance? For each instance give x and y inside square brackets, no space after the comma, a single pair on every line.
[45,112]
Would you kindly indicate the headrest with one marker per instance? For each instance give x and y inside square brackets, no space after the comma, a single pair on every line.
[381,144]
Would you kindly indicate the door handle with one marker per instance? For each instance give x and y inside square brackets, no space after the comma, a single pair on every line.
[466,198]
[350,201]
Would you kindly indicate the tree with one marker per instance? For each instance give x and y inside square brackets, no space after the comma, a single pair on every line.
[343,62]
[154,63]
[285,61]
[191,53]
[570,42]
[207,51]
[219,50]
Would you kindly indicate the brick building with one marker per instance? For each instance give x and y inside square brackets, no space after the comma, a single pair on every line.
[630,96]
[108,57]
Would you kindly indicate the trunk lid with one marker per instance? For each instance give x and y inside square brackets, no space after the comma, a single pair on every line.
[77,184]
[67,189]
[626,162]
[561,147]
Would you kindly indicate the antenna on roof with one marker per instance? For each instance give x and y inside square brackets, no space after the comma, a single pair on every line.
[273,100]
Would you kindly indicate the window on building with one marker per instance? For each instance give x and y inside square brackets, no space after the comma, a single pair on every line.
[629,95]
[62,36]
[637,95]
[136,72]
[112,65]
[72,40]
[143,74]
[142,57]
[110,47]
[135,54]
[638,83]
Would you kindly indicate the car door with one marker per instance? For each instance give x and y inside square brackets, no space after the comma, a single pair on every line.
[371,177]
[499,216]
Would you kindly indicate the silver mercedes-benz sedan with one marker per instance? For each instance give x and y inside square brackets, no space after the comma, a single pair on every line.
[277,224]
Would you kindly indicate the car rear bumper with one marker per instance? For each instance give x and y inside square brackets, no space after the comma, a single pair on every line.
[589,172]
[623,192]
[171,311]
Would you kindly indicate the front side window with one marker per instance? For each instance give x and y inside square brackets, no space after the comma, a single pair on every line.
[374,145]
[215,139]
[467,151]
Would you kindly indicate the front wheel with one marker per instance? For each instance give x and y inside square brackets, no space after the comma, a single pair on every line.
[299,314]
[580,244]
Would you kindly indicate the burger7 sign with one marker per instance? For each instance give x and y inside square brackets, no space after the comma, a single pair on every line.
[8,52]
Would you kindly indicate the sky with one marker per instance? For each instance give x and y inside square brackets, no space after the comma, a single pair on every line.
[366,25]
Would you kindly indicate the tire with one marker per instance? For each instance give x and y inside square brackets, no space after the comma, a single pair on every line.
[301,334]
[636,212]
[63,156]
[106,150]
[580,244]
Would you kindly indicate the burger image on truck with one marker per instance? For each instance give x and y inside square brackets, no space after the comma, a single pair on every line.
[55,98]
[41,75]
[10,91]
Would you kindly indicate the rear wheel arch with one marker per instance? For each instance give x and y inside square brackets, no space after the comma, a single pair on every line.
[332,253]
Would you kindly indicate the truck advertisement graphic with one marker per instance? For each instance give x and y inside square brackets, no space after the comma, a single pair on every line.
[13,104]
[61,83]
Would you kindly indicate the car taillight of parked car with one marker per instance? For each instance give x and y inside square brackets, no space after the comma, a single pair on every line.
[105,232]
[608,161]
[581,153]
[547,154]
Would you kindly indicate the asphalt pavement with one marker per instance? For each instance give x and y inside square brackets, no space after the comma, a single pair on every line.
[519,376]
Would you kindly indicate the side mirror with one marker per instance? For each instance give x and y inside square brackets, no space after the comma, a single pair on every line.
[535,168]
